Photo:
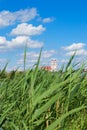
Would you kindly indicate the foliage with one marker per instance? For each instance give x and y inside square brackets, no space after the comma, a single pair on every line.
[41,100]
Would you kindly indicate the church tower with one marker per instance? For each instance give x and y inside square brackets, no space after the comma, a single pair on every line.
[54,65]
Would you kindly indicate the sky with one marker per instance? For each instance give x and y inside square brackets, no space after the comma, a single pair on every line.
[59,27]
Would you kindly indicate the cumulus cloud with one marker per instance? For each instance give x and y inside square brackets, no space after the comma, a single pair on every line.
[28,61]
[23,32]
[32,57]
[48,20]
[74,46]
[27,29]
[19,41]
[48,54]
[2,42]
[78,52]
[45,54]
[8,18]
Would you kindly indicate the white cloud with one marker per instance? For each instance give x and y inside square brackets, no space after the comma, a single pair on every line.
[74,46]
[44,54]
[8,18]
[21,61]
[34,44]
[28,61]
[32,57]
[77,48]
[2,42]
[3,60]
[48,20]
[27,29]
[48,54]
[19,41]
[78,52]
[64,61]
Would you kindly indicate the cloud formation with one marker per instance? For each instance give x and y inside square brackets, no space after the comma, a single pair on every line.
[8,18]
[76,47]
[3,42]
[21,34]
[81,52]
[27,29]
[32,57]
[19,41]
[3,60]
[48,54]
[48,20]
[44,54]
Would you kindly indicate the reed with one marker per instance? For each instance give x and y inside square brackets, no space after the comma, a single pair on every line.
[40,100]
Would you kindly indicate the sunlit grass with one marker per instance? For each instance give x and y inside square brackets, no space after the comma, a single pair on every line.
[41,100]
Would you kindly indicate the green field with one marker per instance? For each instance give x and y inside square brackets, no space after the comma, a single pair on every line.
[40,100]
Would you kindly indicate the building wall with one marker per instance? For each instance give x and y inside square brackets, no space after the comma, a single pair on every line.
[54,65]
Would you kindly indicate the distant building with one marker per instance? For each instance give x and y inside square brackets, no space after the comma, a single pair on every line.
[52,67]
[48,68]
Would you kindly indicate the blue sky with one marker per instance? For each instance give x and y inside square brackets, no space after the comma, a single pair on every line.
[59,26]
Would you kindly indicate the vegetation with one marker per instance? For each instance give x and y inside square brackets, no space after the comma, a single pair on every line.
[41,100]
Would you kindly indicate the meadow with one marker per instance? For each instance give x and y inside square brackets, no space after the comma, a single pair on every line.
[36,99]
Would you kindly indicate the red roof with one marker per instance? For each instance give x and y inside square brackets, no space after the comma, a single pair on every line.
[46,68]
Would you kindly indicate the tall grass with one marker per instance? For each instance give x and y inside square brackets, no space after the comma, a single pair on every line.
[40,100]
